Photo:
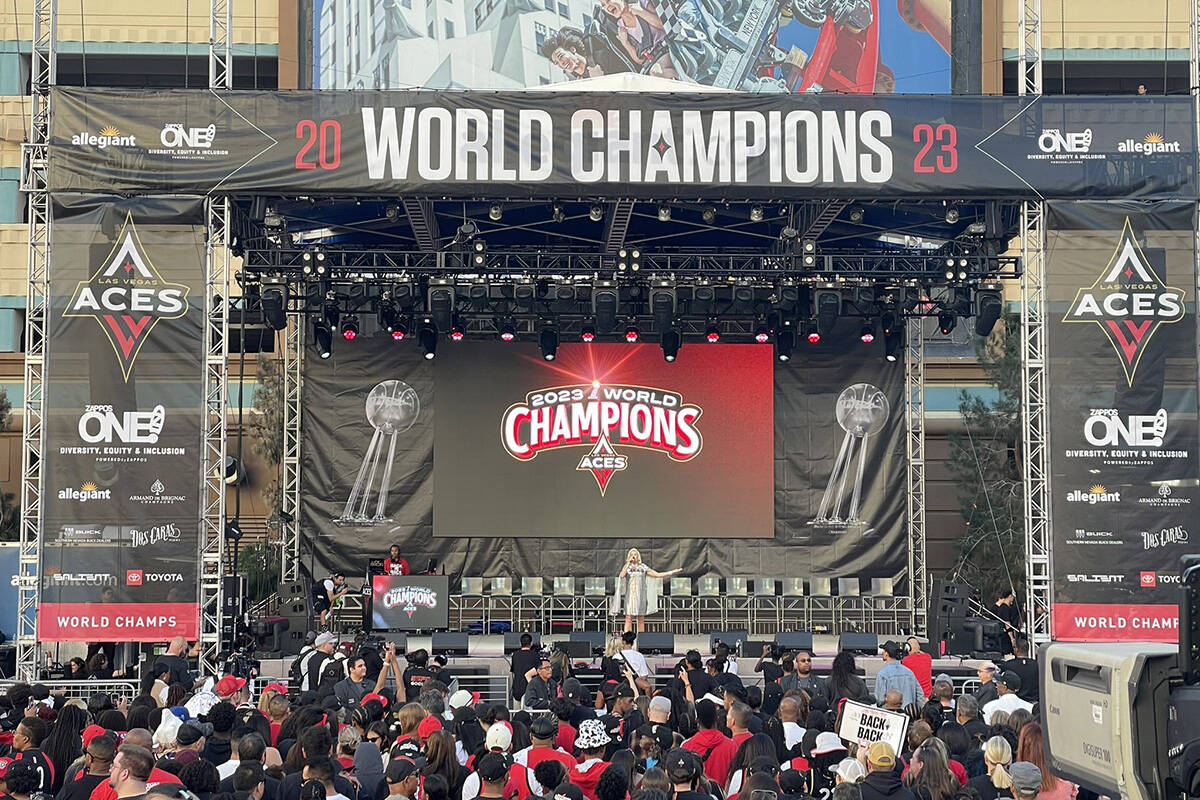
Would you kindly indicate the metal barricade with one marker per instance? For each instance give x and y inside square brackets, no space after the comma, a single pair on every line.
[83,689]
[492,688]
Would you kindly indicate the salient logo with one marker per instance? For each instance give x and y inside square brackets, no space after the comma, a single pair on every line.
[127,297]
[174,135]
[1054,140]
[1150,144]
[599,416]
[87,491]
[1104,428]
[80,579]
[1128,301]
[109,136]
[1079,578]
[1096,494]
[101,424]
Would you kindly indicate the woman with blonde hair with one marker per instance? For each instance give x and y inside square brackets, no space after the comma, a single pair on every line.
[1030,749]
[640,594]
[997,754]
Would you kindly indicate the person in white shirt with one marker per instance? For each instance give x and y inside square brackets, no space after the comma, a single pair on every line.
[1007,686]
[635,660]
[789,714]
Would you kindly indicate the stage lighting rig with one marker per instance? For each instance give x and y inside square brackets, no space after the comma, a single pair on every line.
[632,334]
[496,212]
[703,299]
[557,213]
[671,340]
[596,213]
[756,213]
[440,301]
[988,307]
[457,334]
[323,338]
[893,344]
[709,215]
[946,322]
[387,313]
[712,333]
[508,331]
[662,304]
[399,331]
[867,333]
[664,213]
[548,340]
[857,214]
[951,214]
[274,306]
[587,334]
[313,263]
[350,328]
[330,310]
[629,260]
[762,333]
[479,253]
[604,305]
[828,306]
[812,332]
[392,212]
[467,231]
[427,337]
[785,340]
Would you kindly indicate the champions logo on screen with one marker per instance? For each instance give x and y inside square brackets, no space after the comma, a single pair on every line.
[602,416]
[410,598]
[127,297]
[1128,301]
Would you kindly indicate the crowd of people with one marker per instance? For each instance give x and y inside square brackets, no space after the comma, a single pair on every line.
[361,725]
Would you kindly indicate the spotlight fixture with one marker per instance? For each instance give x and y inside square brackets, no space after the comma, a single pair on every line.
[557,213]
[762,334]
[664,213]
[867,333]
[392,212]
[709,215]
[946,322]
[857,213]
[596,213]
[951,215]
[788,233]
[479,253]
[399,331]
[893,344]
[632,334]
[323,336]
[456,333]
[887,321]
[496,212]
[988,307]
[274,307]
[587,333]
[671,341]
[756,213]
[629,260]
[330,310]
[548,341]
[962,269]
[712,333]
[350,328]
[785,340]
[812,333]
[387,314]
[467,231]
[508,331]
[809,246]
[604,305]
[977,228]
[427,337]
[950,272]
[828,306]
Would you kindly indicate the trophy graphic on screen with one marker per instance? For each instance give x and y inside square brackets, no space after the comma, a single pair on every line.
[861,410]
[392,408]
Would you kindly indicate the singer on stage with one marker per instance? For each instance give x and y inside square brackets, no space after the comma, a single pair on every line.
[639,586]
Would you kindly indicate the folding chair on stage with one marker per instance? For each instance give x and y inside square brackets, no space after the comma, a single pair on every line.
[792,605]
[680,606]
[882,609]
[820,609]
[737,603]
[849,605]
[529,612]
[593,605]
[710,604]
[472,605]
[765,608]
[500,603]
[562,605]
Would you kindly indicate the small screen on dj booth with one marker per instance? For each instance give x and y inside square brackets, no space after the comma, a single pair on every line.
[410,602]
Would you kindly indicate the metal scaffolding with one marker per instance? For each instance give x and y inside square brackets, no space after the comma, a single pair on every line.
[914,418]
[293,377]
[1034,428]
[33,183]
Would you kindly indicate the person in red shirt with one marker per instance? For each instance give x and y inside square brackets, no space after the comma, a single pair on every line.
[543,731]
[921,664]
[139,737]
[715,749]
[394,564]
[592,741]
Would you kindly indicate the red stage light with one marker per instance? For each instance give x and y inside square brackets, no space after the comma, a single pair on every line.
[867,338]
[814,337]
[713,336]
[588,336]
[398,335]
[631,335]
[508,336]
[456,334]
[762,337]
[349,334]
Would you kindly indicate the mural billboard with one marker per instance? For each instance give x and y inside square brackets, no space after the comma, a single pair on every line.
[788,46]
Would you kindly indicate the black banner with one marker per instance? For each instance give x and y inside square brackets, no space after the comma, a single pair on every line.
[835,413]
[124,393]
[1124,442]
[726,146]
[410,602]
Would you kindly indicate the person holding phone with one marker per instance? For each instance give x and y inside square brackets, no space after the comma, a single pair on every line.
[640,594]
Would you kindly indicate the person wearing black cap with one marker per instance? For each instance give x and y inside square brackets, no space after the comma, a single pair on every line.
[624,718]
[684,769]
[653,742]
[543,730]
[403,775]
[1026,668]
[693,676]
[1008,685]
[492,770]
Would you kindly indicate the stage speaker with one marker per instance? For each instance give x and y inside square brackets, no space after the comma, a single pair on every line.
[512,641]
[291,590]
[960,640]
[399,639]
[735,639]
[575,649]
[293,640]
[594,639]
[656,642]
[753,649]
[866,643]
[948,610]
[795,640]
[452,644]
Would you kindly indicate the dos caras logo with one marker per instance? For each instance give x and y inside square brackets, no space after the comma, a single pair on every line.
[601,416]
[1128,301]
[127,297]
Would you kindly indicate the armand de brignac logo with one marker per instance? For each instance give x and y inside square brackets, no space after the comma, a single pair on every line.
[599,416]
[127,297]
[1128,301]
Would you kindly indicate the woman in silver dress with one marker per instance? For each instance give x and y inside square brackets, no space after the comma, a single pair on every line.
[640,595]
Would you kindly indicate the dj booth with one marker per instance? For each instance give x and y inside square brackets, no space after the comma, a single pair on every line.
[415,602]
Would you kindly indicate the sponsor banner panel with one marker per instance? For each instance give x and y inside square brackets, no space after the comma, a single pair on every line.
[1123,409]
[92,622]
[410,602]
[721,460]
[723,146]
[124,395]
